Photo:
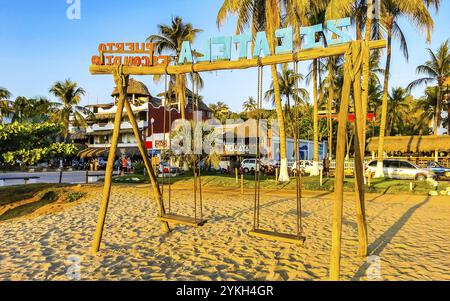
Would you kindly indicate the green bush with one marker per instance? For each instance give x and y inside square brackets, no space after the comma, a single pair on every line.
[138,167]
[75,196]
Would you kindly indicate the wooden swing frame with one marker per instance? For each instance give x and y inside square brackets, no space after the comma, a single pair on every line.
[353,67]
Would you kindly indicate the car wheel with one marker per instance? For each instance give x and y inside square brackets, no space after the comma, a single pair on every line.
[246,170]
[421,177]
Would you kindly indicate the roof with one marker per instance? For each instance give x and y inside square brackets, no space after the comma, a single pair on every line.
[134,87]
[202,106]
[411,144]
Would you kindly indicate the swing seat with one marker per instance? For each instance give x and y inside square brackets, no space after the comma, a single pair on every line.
[182,220]
[290,238]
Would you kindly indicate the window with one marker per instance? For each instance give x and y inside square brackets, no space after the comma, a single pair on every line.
[390,164]
[404,164]
[373,163]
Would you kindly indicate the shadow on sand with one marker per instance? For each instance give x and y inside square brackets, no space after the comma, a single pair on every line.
[381,242]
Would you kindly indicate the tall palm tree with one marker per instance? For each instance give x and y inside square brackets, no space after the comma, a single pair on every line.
[170,39]
[436,71]
[4,93]
[426,106]
[21,108]
[287,82]
[262,15]
[392,10]
[69,95]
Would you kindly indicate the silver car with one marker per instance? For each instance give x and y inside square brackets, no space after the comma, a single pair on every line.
[400,169]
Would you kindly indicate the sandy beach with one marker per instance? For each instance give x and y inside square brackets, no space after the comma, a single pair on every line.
[409,233]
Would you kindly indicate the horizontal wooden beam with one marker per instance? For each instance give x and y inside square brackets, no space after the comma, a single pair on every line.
[303,55]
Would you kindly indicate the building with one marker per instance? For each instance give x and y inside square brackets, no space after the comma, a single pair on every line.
[100,129]
[160,123]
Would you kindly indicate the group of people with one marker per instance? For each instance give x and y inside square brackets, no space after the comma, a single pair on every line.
[125,165]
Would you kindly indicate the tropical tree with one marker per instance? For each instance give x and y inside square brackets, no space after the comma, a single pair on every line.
[5,108]
[287,82]
[262,15]
[398,107]
[221,111]
[436,71]
[69,95]
[170,39]
[392,10]
[249,105]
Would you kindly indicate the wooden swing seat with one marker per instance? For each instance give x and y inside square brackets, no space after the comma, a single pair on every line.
[182,220]
[290,238]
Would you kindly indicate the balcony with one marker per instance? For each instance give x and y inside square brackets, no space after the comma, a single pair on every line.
[110,126]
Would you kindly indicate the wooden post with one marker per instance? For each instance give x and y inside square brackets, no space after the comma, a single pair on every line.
[242,183]
[236,174]
[87,176]
[156,191]
[321,177]
[60,175]
[276,175]
[122,84]
[359,150]
[335,259]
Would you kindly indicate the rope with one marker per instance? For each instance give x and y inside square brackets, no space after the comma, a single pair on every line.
[164,146]
[257,196]
[194,157]
[298,179]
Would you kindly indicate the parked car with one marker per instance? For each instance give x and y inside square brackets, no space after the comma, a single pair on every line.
[438,169]
[400,169]
[305,166]
[248,165]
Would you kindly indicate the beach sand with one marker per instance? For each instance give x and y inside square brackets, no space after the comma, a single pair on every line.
[410,234]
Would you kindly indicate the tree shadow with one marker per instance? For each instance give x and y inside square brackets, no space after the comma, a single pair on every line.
[381,242]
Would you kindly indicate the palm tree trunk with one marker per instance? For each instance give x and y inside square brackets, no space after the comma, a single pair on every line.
[315,170]
[329,108]
[284,175]
[437,117]
[366,74]
[181,91]
[379,172]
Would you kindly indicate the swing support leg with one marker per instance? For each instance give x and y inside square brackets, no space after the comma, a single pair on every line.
[122,84]
[151,172]
[359,166]
[335,260]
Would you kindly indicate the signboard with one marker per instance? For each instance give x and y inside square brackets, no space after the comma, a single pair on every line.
[220,48]
[128,54]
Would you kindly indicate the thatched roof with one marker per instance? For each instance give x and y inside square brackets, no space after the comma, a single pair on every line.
[134,87]
[411,144]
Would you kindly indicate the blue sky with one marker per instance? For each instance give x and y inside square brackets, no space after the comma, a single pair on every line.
[40,45]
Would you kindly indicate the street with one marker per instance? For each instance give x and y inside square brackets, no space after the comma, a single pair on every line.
[72,177]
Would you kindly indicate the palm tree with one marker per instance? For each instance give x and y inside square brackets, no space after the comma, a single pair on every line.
[392,10]
[287,82]
[220,111]
[5,108]
[262,15]
[398,107]
[436,70]
[250,107]
[69,94]
[21,108]
[170,39]
[426,106]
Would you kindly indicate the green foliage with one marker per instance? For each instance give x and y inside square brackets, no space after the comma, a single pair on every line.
[32,143]
[75,196]
[138,167]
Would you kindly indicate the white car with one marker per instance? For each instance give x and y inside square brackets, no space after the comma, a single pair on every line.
[248,165]
[305,166]
[400,169]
